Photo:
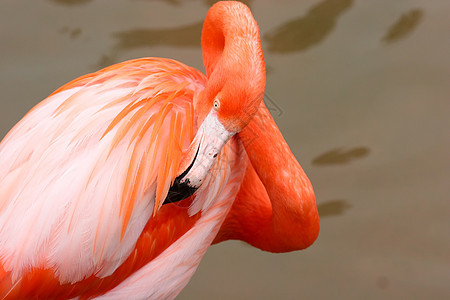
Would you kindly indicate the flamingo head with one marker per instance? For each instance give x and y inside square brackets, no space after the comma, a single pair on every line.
[234,62]
[227,111]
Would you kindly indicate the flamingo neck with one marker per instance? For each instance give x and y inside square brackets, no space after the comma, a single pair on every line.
[294,211]
[229,33]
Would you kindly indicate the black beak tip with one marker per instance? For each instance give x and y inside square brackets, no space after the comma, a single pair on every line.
[179,191]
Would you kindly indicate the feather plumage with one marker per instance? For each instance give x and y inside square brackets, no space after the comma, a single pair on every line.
[59,170]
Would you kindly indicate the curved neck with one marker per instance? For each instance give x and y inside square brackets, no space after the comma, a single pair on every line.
[291,218]
[228,27]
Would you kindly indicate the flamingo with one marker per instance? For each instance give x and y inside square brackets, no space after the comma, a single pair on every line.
[115,185]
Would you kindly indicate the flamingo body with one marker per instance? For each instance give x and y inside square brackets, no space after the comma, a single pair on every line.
[85,175]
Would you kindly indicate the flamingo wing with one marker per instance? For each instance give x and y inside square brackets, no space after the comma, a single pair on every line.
[84,171]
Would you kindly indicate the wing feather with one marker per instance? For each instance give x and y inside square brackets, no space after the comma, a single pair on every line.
[84,171]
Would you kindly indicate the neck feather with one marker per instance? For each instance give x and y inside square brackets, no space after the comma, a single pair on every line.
[291,194]
[230,36]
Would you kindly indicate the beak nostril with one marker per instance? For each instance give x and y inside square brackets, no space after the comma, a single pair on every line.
[215,155]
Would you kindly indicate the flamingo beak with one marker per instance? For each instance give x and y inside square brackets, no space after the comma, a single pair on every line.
[207,144]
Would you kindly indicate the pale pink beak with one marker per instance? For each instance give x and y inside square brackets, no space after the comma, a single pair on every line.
[211,137]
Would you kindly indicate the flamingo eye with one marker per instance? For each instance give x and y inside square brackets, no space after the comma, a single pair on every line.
[216,104]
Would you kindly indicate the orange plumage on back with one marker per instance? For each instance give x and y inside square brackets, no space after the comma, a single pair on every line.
[117,183]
